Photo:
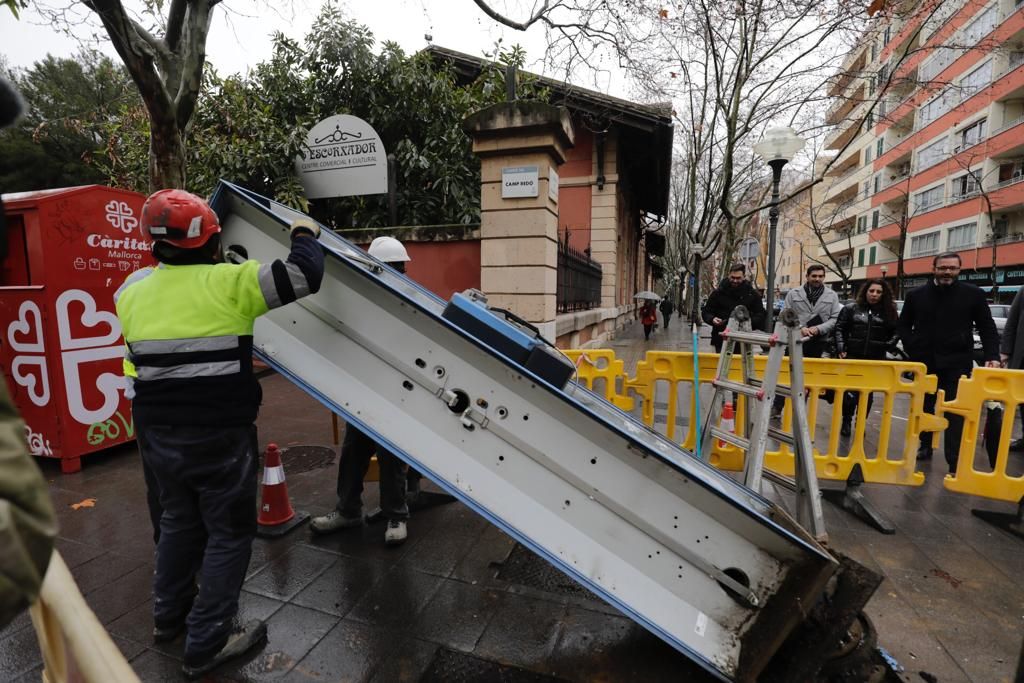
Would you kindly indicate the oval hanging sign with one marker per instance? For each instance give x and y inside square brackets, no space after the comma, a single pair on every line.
[344,157]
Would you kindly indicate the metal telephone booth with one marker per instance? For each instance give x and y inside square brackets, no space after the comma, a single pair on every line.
[61,347]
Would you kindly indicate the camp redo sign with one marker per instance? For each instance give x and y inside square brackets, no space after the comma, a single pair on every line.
[343,157]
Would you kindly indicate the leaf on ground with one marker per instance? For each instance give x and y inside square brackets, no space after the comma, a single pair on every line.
[87,503]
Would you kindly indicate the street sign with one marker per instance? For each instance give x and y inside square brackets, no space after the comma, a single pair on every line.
[750,248]
[343,157]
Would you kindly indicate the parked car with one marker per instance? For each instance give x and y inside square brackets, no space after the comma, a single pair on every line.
[999,313]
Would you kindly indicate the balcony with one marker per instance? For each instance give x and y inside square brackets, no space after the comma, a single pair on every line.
[842,109]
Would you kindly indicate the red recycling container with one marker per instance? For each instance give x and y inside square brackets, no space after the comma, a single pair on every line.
[68,252]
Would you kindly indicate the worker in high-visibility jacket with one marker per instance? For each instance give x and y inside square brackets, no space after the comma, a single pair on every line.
[188,326]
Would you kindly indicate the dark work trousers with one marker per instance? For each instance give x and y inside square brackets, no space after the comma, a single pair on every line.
[207,484]
[156,510]
[666,318]
[949,380]
[850,400]
[356,450]
[813,351]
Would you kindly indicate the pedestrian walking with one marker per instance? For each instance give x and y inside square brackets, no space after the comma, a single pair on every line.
[864,330]
[936,326]
[188,326]
[733,291]
[666,310]
[357,448]
[817,309]
[648,317]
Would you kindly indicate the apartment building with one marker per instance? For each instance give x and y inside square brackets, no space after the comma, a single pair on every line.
[940,156]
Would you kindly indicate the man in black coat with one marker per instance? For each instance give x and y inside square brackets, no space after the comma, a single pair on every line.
[936,326]
[732,292]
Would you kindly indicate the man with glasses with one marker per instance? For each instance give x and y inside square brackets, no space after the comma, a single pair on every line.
[733,291]
[936,326]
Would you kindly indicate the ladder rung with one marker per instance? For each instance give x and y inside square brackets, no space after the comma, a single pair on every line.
[739,388]
[782,436]
[751,337]
[780,389]
[729,437]
[780,479]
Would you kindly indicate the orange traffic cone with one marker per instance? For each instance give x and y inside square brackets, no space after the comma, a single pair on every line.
[728,422]
[276,516]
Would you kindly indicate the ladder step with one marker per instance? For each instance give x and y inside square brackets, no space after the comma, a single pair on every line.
[751,337]
[780,479]
[739,388]
[781,436]
[729,437]
[780,389]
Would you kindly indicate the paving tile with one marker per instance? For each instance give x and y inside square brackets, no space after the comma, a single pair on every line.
[905,635]
[395,600]
[341,585]
[456,615]
[156,667]
[292,632]
[19,653]
[523,632]
[937,597]
[349,652]
[103,570]
[985,653]
[285,576]
[406,663]
[598,647]
[119,597]
[75,553]
[129,648]
[22,621]
[481,563]
[441,551]
[266,550]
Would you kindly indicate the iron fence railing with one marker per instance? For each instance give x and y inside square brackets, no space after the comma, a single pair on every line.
[579,280]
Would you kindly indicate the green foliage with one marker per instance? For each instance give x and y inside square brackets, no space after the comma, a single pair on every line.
[15,6]
[250,129]
[71,102]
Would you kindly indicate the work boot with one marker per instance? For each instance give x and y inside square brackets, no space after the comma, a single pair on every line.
[396,532]
[847,427]
[924,452]
[239,642]
[334,521]
[167,633]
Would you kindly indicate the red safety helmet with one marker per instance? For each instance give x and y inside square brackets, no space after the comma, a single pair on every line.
[179,218]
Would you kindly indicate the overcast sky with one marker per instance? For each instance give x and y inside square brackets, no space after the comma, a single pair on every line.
[240,36]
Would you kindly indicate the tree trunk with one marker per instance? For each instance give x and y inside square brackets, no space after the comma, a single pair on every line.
[166,157]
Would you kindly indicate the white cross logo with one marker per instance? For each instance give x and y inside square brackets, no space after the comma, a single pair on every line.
[121,216]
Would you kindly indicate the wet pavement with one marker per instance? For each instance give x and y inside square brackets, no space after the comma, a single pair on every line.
[461,601]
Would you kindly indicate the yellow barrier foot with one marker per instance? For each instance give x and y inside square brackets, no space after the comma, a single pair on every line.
[1007,521]
[853,500]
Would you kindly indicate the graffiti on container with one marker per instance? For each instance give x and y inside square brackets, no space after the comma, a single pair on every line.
[37,443]
[110,430]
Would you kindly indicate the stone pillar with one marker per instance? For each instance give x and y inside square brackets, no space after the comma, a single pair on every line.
[605,237]
[519,235]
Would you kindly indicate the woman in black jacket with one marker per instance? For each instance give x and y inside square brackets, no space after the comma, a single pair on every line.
[864,330]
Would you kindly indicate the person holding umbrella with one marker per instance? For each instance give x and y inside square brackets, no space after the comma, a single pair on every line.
[647,312]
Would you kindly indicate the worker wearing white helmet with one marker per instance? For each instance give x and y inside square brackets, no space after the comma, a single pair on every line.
[357,448]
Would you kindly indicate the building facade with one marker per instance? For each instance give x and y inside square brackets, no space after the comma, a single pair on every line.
[928,128]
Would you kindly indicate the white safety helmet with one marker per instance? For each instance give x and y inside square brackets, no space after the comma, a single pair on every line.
[388,250]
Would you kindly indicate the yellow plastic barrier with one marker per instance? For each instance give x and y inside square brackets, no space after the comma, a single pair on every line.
[984,385]
[75,647]
[882,377]
[593,365]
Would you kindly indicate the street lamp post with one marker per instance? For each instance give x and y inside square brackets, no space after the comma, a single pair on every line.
[777,147]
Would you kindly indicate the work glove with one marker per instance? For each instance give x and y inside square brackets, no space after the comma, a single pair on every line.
[305,225]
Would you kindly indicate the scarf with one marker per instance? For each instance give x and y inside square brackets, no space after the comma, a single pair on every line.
[813,293]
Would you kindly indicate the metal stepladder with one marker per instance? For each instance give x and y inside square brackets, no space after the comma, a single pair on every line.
[760,394]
